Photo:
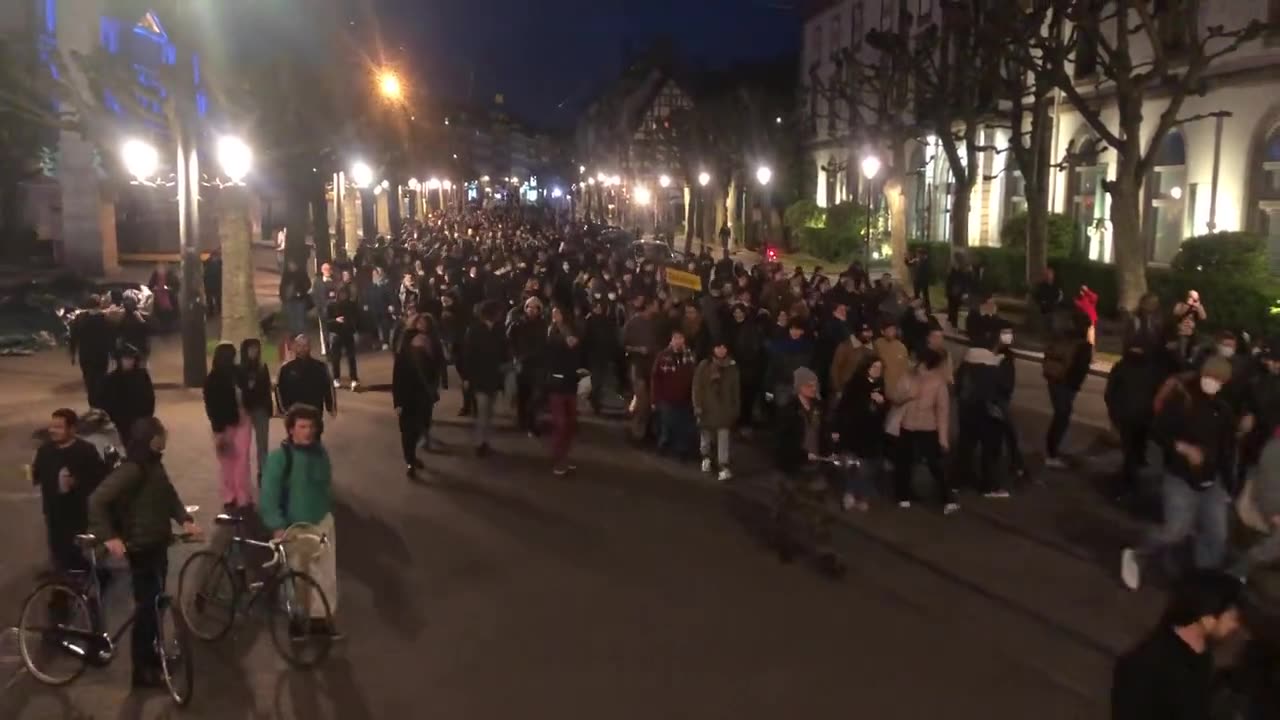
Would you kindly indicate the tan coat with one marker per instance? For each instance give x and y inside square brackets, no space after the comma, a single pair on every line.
[849,355]
[894,356]
[922,403]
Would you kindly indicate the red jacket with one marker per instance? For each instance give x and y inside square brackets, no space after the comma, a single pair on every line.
[673,378]
[1087,301]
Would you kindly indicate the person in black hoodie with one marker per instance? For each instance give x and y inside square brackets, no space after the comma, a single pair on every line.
[90,342]
[1195,429]
[295,298]
[128,393]
[747,348]
[255,391]
[602,344]
[415,388]
[1066,365]
[983,382]
[304,380]
[1130,394]
[343,321]
[858,421]
[485,347]
[527,337]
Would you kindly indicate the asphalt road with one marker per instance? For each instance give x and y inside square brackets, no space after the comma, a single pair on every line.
[634,588]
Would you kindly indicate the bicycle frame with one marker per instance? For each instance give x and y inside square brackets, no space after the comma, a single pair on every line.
[99,647]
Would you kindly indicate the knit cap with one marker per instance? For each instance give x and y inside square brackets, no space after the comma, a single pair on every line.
[804,376]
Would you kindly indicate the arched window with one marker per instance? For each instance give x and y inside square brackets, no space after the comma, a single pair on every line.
[1264,210]
[1165,221]
[1086,197]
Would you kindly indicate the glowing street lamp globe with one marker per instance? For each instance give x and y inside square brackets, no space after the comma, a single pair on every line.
[433,184]
[235,157]
[140,158]
[361,175]
[704,178]
[389,85]
[414,185]
[764,174]
[870,167]
[665,181]
[643,196]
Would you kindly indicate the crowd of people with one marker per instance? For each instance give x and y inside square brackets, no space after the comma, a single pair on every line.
[840,365]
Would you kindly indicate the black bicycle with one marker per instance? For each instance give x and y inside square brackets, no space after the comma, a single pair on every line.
[62,629]
[212,585]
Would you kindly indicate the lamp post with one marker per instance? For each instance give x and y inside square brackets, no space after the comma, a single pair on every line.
[870,169]
[704,179]
[643,197]
[764,176]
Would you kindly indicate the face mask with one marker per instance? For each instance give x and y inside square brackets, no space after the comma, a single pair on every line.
[1226,351]
[1210,386]
[566,267]
[613,296]
[1006,338]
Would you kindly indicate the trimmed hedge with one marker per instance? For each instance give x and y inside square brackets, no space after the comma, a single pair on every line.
[803,214]
[1062,234]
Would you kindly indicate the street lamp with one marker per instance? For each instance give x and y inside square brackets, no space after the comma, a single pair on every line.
[235,157]
[665,181]
[414,185]
[642,194]
[433,184]
[764,175]
[389,85]
[870,169]
[140,158]
[704,178]
[361,175]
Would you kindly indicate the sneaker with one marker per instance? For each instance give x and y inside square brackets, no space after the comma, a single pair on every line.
[706,465]
[355,385]
[1130,569]
[904,504]
[386,346]
[560,470]
[996,494]
[951,508]
[848,502]
[337,384]
[725,475]
[410,471]
[1055,463]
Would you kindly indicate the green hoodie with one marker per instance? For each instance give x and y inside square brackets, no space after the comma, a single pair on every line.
[306,496]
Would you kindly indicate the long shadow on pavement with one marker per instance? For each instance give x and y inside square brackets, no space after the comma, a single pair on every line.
[381,571]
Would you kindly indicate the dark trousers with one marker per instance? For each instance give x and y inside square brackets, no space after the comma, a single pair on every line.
[915,445]
[414,425]
[749,392]
[61,536]
[953,311]
[922,293]
[800,514]
[340,344]
[1133,443]
[527,400]
[1063,400]
[147,568]
[95,378]
[979,432]
[564,423]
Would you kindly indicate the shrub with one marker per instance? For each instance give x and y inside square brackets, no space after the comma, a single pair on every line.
[1238,255]
[1005,269]
[829,244]
[804,214]
[1061,240]
[1231,273]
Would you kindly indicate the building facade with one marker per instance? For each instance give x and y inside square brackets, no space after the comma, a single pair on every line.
[1217,173]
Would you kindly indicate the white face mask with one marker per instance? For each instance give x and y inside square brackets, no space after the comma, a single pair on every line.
[1210,386]
[1006,338]
[1226,351]
[566,267]
[613,296]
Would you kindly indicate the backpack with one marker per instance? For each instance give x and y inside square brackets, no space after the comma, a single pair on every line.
[1057,359]
[284,489]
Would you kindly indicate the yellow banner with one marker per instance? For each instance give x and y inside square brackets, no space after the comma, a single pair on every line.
[682,279]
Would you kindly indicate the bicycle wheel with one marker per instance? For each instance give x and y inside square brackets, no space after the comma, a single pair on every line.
[51,655]
[207,595]
[173,647]
[300,619]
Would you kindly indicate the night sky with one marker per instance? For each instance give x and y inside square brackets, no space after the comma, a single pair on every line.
[550,57]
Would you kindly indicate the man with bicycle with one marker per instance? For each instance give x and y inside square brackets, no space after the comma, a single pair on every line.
[297,489]
[133,509]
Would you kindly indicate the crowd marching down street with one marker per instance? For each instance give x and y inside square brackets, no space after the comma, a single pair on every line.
[850,377]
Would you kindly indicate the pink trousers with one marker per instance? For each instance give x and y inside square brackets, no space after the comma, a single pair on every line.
[233,446]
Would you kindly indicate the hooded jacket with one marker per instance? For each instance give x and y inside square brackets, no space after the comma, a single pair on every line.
[984,384]
[254,379]
[717,393]
[137,503]
[857,417]
[672,380]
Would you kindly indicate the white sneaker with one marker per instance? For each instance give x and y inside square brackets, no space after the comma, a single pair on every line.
[951,508]
[904,504]
[355,385]
[996,494]
[1130,569]
[337,384]
[386,346]
[1055,463]
[706,465]
[848,502]
[725,475]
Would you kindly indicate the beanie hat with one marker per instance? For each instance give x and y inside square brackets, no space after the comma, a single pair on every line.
[803,376]
[1217,367]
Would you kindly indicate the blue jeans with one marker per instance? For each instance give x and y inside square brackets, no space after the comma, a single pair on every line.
[676,428]
[860,482]
[1190,513]
[295,317]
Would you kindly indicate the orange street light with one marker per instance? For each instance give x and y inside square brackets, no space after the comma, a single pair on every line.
[389,85]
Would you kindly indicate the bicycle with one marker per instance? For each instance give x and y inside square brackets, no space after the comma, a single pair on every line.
[211,585]
[65,620]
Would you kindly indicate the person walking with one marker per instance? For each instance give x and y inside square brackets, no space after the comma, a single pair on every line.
[255,392]
[1066,365]
[128,393]
[90,343]
[983,381]
[415,389]
[640,341]
[485,347]
[380,306]
[960,283]
[305,380]
[295,297]
[232,429]
[1130,396]
[66,469]
[921,276]
[921,422]
[717,400]
[343,320]
[297,490]
[802,440]
[132,511]
[672,385]
[858,419]
[1196,431]
[564,367]
[324,292]
[527,337]
[787,354]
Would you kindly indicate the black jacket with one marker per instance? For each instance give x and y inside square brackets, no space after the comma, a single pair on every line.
[485,349]
[255,387]
[601,339]
[306,380]
[858,418]
[1162,679]
[128,395]
[69,512]
[528,339]
[294,285]
[415,381]
[220,403]
[91,339]
[790,455]
[1187,415]
[562,366]
[350,314]
[984,384]
[1131,390]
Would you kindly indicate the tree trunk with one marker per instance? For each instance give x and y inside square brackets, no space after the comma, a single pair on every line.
[298,214]
[961,197]
[320,223]
[239,304]
[1130,250]
[895,199]
[350,220]
[1037,231]
[734,211]
[715,219]
[690,217]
